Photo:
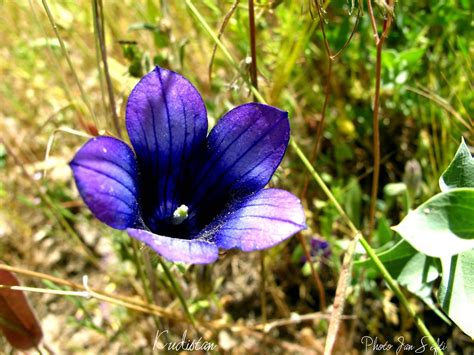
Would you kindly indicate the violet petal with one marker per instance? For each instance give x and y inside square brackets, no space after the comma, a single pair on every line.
[194,251]
[243,151]
[167,124]
[105,171]
[260,221]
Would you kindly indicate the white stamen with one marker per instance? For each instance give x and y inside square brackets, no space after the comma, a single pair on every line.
[180,214]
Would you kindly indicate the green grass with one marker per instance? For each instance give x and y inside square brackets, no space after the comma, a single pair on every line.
[426,105]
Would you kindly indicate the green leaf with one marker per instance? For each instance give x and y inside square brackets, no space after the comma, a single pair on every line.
[456,292]
[412,56]
[384,233]
[443,225]
[413,270]
[460,172]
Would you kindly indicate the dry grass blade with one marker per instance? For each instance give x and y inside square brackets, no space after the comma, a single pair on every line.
[339,300]
[51,139]
[441,103]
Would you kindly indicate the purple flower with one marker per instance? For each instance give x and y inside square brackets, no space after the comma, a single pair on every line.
[183,193]
[319,248]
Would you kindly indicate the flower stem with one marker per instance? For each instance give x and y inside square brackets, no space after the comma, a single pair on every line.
[375,119]
[141,273]
[378,263]
[177,291]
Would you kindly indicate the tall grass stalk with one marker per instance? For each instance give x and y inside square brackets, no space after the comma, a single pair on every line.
[69,62]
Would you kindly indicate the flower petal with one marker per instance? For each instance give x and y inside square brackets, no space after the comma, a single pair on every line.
[261,221]
[167,122]
[106,176]
[243,151]
[197,251]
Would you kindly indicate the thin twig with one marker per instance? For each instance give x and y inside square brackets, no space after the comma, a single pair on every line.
[254,80]
[253,46]
[327,87]
[84,294]
[356,24]
[103,52]
[340,299]
[319,129]
[372,21]
[375,119]
[227,17]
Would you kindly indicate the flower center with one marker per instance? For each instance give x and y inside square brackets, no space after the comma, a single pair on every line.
[180,214]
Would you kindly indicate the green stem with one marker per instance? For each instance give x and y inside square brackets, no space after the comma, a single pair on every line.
[141,274]
[177,291]
[401,296]
[99,11]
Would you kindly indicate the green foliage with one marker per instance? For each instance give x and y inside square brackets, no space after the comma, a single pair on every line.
[442,227]
[353,202]
[456,292]
[412,269]
[460,173]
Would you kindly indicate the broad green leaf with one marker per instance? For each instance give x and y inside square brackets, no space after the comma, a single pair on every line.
[413,270]
[443,225]
[409,267]
[456,292]
[460,172]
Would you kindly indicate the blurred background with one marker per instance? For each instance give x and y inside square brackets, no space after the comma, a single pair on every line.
[53,94]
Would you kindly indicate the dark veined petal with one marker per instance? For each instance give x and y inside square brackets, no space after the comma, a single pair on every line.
[196,251]
[261,221]
[105,171]
[167,122]
[243,151]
